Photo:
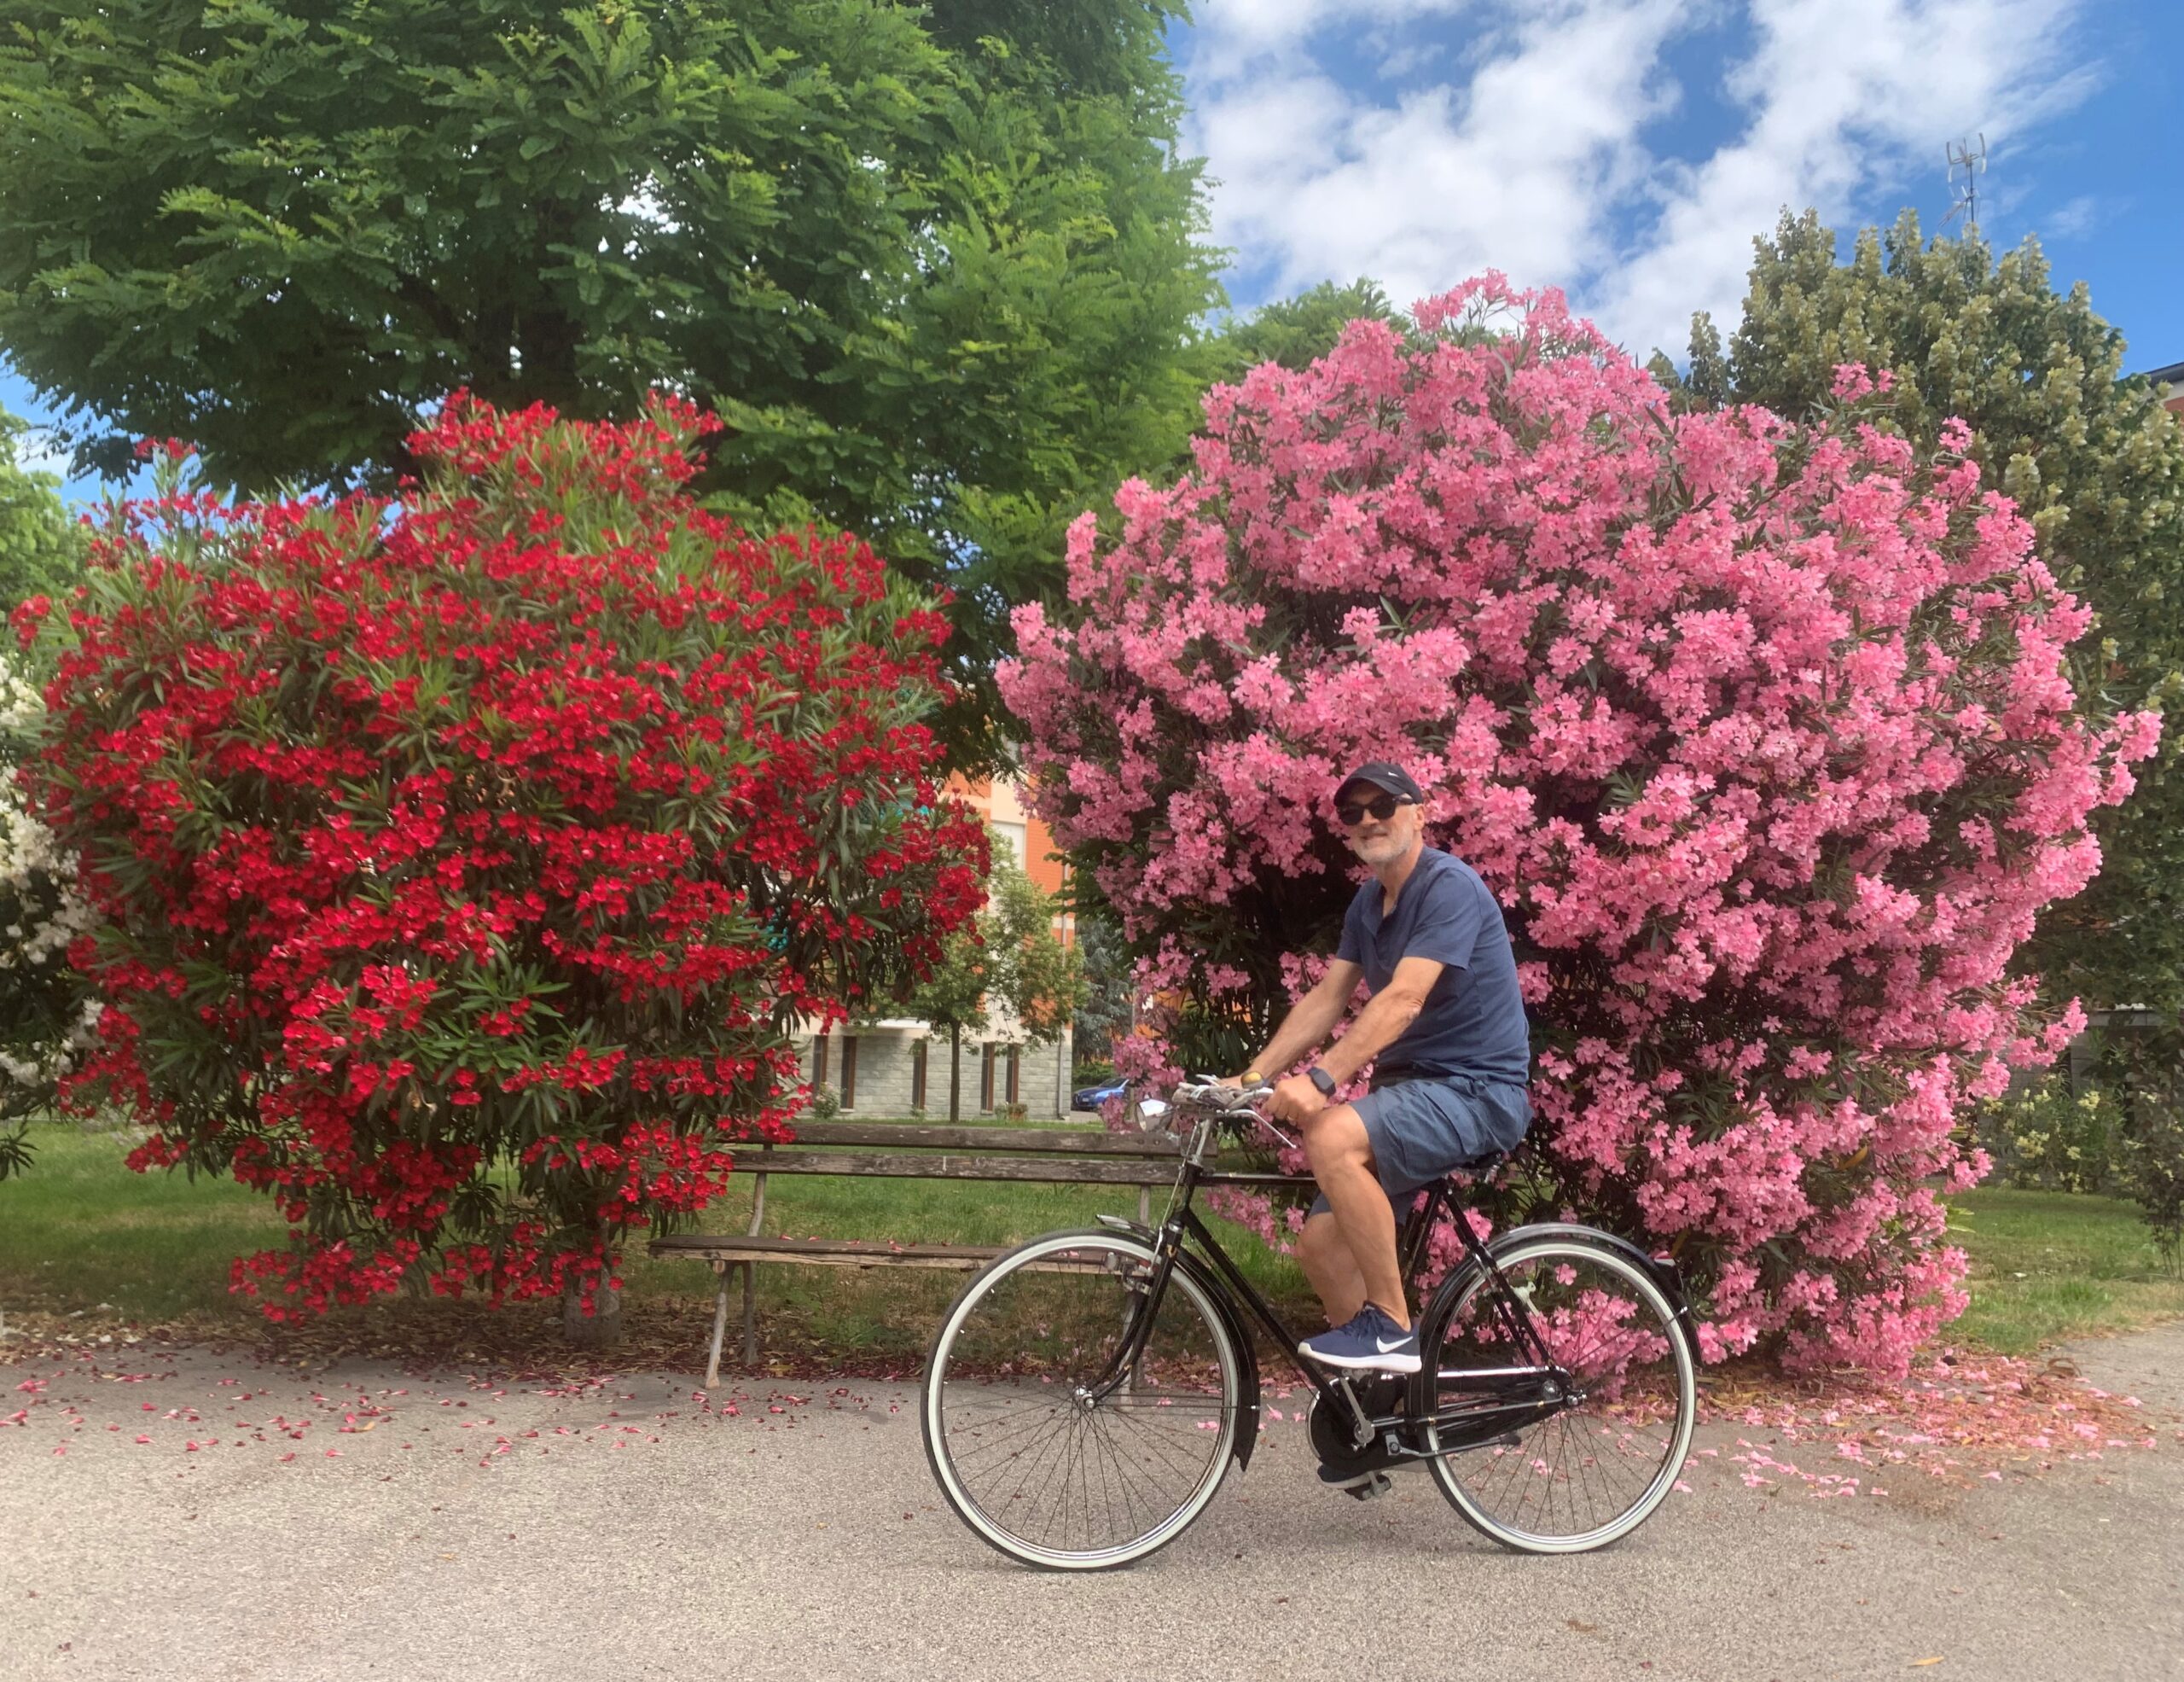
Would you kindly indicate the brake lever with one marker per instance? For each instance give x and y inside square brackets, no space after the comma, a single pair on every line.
[1258,1114]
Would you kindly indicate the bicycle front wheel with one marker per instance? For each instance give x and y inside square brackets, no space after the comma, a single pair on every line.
[1585,1468]
[1047,1440]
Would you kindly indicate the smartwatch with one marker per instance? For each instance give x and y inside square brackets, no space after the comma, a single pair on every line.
[1321,1079]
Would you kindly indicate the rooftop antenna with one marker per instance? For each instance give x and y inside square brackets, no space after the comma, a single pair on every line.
[1971,162]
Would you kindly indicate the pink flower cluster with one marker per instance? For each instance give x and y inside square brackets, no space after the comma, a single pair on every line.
[1761,731]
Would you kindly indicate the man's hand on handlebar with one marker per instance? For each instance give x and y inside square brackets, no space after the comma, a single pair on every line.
[1296,1100]
[1233,1101]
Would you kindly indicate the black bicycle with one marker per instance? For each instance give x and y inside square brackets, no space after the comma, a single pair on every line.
[1088,1390]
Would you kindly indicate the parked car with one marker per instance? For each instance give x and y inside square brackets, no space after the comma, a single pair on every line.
[1091,1097]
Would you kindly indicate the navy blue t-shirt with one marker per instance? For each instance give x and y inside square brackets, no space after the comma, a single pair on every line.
[1472,1022]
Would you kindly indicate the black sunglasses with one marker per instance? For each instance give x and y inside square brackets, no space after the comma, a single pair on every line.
[1380,807]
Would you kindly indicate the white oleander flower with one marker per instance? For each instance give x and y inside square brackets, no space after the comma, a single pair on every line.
[48,911]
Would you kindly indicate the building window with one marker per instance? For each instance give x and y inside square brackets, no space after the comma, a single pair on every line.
[986,1077]
[917,1074]
[848,1071]
[1015,1071]
[819,1060]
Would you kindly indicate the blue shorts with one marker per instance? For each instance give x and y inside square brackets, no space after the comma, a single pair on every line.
[1420,1131]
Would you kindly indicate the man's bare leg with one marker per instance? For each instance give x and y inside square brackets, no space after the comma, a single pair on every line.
[1328,1264]
[1341,1156]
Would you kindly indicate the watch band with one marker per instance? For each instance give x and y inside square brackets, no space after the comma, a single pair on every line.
[1321,1079]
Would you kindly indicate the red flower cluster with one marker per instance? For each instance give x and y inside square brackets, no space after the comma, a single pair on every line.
[467,859]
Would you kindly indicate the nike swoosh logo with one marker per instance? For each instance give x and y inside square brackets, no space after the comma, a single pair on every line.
[1387,1347]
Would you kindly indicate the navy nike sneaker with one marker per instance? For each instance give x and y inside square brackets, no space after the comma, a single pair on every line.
[1369,1341]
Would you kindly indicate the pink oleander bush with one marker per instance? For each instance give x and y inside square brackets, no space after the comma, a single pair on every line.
[1763,732]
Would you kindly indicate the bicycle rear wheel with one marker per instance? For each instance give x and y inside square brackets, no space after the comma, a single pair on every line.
[1043,1443]
[1596,1464]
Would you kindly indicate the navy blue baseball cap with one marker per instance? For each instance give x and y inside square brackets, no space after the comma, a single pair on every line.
[1391,778]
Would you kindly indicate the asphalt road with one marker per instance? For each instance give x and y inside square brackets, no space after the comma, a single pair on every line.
[361,1523]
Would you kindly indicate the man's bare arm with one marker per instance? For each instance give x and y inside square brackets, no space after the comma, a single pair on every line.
[1310,1020]
[1390,1012]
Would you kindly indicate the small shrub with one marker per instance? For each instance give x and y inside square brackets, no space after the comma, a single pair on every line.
[825,1103]
[2144,1065]
[2152,1164]
[47,1018]
[2044,1137]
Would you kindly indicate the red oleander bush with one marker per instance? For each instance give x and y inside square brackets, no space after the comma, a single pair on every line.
[463,862]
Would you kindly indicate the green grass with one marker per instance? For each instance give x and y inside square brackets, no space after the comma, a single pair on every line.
[78,1231]
[2047,1267]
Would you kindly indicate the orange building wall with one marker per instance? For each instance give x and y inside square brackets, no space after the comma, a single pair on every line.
[1000,804]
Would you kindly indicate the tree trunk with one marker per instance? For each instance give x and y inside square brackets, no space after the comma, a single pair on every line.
[956,1071]
[602,1328]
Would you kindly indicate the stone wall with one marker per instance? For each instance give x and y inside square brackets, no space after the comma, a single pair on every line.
[885,1079]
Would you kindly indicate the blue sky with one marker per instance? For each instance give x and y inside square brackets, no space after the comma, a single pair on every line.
[1627,150]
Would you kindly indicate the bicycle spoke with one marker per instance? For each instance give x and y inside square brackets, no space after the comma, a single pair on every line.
[1576,1478]
[1030,1451]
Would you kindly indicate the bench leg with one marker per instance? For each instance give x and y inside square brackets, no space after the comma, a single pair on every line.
[720,1328]
[750,1320]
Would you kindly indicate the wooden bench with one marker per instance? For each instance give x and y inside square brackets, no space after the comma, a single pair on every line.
[898,1150]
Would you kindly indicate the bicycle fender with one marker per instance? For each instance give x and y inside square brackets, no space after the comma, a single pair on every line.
[1239,1336]
[1661,1269]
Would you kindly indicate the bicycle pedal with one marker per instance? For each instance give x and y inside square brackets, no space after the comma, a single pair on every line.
[1370,1487]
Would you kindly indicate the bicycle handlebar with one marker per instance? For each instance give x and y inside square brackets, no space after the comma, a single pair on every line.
[1220,1097]
[1216,1100]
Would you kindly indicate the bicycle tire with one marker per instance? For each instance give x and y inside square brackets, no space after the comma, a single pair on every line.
[1479,1477]
[980,1425]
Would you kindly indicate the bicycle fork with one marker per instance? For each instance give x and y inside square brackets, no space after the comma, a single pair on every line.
[1145,1288]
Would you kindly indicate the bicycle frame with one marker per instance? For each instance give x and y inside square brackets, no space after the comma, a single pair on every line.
[1511,1397]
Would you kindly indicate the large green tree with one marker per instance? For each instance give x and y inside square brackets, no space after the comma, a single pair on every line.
[41,548]
[939,266]
[1005,973]
[1294,331]
[1103,1013]
[2093,459]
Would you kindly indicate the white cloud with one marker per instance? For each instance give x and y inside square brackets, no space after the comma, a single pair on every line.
[1319,180]
[1836,92]
[2073,220]
[1540,154]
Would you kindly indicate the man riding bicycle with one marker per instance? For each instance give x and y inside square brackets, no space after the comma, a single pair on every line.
[1445,1032]
[1088,1389]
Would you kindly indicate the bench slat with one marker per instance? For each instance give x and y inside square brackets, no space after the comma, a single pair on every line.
[1078,1142]
[1051,1170]
[841,1253]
